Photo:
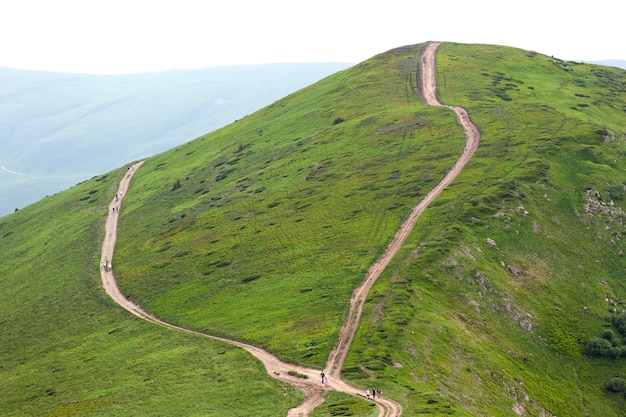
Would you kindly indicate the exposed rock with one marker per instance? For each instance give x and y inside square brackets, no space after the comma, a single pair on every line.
[515,271]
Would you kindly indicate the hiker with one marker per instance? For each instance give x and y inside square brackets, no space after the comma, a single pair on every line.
[323,375]
[380,392]
[373,393]
[103,265]
[109,267]
[367,394]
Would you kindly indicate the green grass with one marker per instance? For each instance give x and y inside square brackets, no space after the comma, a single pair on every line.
[67,350]
[278,216]
[261,230]
[340,404]
[473,323]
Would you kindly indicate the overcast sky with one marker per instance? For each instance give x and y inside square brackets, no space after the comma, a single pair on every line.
[129,36]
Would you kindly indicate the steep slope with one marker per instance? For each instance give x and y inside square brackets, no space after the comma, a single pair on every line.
[23,388]
[67,350]
[58,129]
[275,367]
[262,237]
[521,260]
[261,230]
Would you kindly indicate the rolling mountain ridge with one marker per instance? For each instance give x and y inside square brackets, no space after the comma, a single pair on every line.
[260,230]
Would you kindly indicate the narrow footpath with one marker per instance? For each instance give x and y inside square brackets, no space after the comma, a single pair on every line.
[275,367]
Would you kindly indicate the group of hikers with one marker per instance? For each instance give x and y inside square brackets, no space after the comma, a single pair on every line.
[105,265]
[373,392]
[116,209]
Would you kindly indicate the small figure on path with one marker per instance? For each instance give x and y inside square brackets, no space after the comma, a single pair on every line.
[109,267]
[380,392]
[373,393]
[323,375]
[367,394]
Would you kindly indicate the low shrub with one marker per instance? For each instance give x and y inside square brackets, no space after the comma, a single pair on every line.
[616,384]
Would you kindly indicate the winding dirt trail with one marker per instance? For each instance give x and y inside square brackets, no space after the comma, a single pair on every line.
[428,88]
[276,368]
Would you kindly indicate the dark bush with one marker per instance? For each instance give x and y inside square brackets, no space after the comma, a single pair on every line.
[615,352]
[616,384]
[598,347]
[619,322]
[250,278]
[616,192]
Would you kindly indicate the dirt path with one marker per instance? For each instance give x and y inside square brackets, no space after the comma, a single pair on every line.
[276,368]
[428,88]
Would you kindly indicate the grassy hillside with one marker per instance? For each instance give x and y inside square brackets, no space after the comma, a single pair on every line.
[499,329]
[263,237]
[67,350]
[260,231]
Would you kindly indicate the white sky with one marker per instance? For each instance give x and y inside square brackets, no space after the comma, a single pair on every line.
[128,36]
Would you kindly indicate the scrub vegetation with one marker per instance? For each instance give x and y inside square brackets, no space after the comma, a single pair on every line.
[260,231]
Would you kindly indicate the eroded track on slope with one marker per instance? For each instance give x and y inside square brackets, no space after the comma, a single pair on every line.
[275,367]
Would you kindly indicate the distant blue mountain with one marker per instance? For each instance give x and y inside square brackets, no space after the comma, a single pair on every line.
[610,63]
[59,129]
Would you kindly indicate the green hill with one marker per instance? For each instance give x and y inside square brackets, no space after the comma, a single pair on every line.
[261,230]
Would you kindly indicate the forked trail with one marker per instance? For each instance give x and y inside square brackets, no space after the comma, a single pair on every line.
[275,367]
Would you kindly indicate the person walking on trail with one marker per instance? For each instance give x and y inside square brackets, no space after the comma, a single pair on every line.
[323,375]
[373,393]
[109,267]
[367,394]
